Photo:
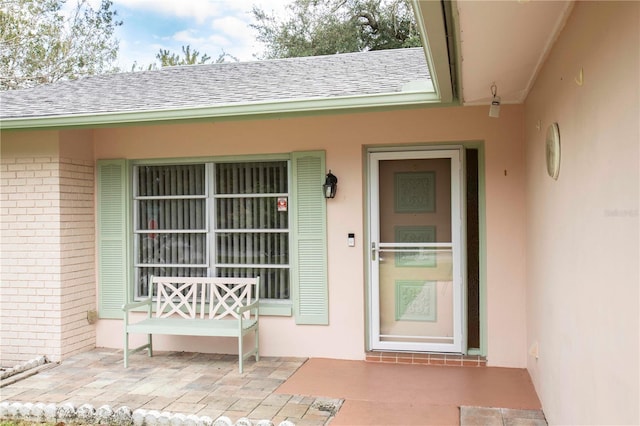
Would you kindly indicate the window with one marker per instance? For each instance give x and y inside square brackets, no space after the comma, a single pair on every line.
[213,219]
[263,215]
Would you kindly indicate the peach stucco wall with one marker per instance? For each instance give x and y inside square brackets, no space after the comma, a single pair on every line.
[343,137]
[582,230]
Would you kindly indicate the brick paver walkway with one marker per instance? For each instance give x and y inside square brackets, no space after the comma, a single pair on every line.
[177,382]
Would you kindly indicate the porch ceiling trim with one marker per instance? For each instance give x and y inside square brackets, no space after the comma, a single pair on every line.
[254,109]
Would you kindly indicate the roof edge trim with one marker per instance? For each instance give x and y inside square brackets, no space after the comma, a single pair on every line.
[224,111]
[430,19]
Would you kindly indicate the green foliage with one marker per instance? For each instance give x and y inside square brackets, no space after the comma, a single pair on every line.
[168,58]
[39,43]
[189,57]
[317,27]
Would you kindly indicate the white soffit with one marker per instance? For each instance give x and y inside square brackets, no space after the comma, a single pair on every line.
[505,42]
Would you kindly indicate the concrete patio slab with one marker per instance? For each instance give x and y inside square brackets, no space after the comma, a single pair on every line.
[398,394]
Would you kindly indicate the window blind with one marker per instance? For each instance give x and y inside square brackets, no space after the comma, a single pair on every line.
[238,229]
[251,230]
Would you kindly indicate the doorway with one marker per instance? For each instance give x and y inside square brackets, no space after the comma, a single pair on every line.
[415,257]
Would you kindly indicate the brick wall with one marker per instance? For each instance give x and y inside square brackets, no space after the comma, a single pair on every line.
[77,252]
[47,257]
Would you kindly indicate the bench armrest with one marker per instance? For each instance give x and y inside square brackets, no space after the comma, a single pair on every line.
[134,305]
[253,305]
[129,306]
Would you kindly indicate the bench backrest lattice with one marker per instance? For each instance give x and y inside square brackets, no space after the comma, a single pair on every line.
[204,298]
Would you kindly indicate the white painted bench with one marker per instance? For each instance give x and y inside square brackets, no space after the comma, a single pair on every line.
[203,306]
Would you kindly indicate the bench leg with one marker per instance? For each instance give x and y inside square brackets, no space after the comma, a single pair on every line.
[240,353]
[126,349]
[257,346]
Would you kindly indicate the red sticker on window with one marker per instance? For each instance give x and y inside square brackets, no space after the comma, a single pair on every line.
[282,204]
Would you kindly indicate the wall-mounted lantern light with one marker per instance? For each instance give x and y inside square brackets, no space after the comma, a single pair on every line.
[330,185]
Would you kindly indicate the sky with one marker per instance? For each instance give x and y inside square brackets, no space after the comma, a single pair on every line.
[208,26]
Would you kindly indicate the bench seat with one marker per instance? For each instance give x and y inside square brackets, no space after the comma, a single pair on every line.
[190,327]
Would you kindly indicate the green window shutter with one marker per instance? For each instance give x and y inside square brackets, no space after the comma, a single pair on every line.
[309,238]
[112,237]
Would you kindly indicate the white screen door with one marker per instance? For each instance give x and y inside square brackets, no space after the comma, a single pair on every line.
[415,256]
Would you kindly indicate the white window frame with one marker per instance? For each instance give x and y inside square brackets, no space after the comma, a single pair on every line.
[271,306]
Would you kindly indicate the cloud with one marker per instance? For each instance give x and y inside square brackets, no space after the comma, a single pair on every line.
[220,41]
[231,28]
[208,26]
[200,10]
[229,25]
[187,36]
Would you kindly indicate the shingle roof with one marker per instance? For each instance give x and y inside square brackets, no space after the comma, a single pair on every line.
[333,76]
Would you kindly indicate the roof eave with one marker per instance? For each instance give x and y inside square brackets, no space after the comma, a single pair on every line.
[223,111]
[431,21]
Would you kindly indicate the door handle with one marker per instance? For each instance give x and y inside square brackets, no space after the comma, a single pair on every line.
[373,251]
